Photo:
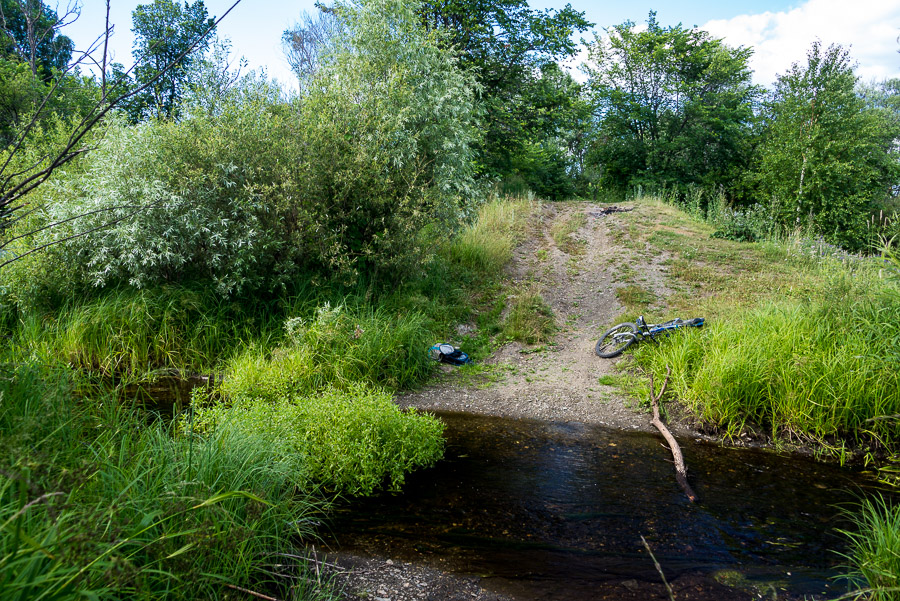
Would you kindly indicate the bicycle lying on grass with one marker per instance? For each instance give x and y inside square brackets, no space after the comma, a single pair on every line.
[620,337]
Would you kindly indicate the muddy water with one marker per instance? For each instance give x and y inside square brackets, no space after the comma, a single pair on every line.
[556,511]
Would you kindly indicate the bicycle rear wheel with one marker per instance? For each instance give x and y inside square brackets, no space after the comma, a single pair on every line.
[616,340]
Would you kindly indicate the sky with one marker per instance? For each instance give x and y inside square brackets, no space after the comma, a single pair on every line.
[780,32]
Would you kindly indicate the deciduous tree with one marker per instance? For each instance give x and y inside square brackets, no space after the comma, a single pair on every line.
[510,49]
[673,106]
[163,30]
[825,157]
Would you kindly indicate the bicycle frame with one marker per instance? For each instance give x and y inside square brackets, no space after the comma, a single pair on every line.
[653,330]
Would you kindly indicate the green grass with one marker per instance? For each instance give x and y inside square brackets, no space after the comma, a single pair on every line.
[98,500]
[351,441]
[530,319]
[563,231]
[800,341]
[486,246]
[874,555]
[635,298]
[96,504]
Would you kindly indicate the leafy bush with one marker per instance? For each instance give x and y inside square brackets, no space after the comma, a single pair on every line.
[350,441]
[252,192]
[335,347]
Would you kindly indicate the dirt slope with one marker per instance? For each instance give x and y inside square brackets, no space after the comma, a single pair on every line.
[579,282]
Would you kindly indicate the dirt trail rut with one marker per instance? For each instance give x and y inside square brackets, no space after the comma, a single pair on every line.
[579,282]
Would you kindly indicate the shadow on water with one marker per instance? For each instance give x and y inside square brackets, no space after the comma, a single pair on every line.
[556,511]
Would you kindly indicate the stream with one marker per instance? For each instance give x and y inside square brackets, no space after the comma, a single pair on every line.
[556,511]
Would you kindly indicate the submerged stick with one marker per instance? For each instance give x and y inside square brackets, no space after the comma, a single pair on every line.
[680,469]
[658,569]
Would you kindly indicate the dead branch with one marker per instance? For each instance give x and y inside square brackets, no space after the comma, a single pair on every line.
[680,469]
[659,569]
[252,593]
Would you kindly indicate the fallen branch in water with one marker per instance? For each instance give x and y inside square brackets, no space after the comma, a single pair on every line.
[680,469]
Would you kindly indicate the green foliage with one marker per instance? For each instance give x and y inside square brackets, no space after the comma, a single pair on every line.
[334,347]
[486,245]
[530,319]
[351,441]
[874,556]
[250,193]
[133,332]
[821,369]
[675,107]
[95,504]
[825,158]
[163,30]
[29,32]
[532,109]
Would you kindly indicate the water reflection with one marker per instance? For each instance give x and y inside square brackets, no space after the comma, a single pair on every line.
[556,511]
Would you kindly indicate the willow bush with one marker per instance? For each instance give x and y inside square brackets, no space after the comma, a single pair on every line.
[256,191]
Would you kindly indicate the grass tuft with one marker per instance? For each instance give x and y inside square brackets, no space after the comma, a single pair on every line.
[874,556]
[530,318]
[486,246]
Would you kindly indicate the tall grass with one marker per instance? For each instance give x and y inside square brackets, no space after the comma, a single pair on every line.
[95,502]
[128,331]
[486,246]
[336,346]
[874,555]
[101,506]
[351,441]
[821,368]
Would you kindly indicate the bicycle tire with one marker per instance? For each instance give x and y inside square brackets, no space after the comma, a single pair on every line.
[608,347]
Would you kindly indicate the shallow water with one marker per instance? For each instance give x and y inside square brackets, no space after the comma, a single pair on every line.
[556,511]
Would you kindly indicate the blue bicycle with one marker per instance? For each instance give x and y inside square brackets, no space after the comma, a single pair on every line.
[618,338]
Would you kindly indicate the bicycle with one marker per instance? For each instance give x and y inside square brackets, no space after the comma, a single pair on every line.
[618,338]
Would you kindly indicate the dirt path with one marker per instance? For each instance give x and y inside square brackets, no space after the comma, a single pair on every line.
[579,282]
[559,383]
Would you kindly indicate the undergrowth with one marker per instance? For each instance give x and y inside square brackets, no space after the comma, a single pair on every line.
[98,500]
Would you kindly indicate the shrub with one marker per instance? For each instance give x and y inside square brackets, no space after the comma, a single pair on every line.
[335,347]
[350,441]
[256,192]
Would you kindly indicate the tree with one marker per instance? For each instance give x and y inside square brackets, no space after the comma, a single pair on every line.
[29,30]
[306,42]
[29,158]
[673,105]
[163,30]
[509,48]
[825,157]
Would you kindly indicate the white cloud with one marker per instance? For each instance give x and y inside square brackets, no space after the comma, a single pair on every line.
[868,28]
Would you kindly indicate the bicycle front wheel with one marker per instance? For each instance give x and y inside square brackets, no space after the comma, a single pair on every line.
[614,342]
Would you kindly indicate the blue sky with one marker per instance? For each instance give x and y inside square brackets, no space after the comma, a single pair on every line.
[780,32]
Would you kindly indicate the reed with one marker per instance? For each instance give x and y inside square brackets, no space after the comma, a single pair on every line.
[102,506]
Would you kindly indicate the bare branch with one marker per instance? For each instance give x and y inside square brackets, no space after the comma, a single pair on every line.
[17,191]
[78,235]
